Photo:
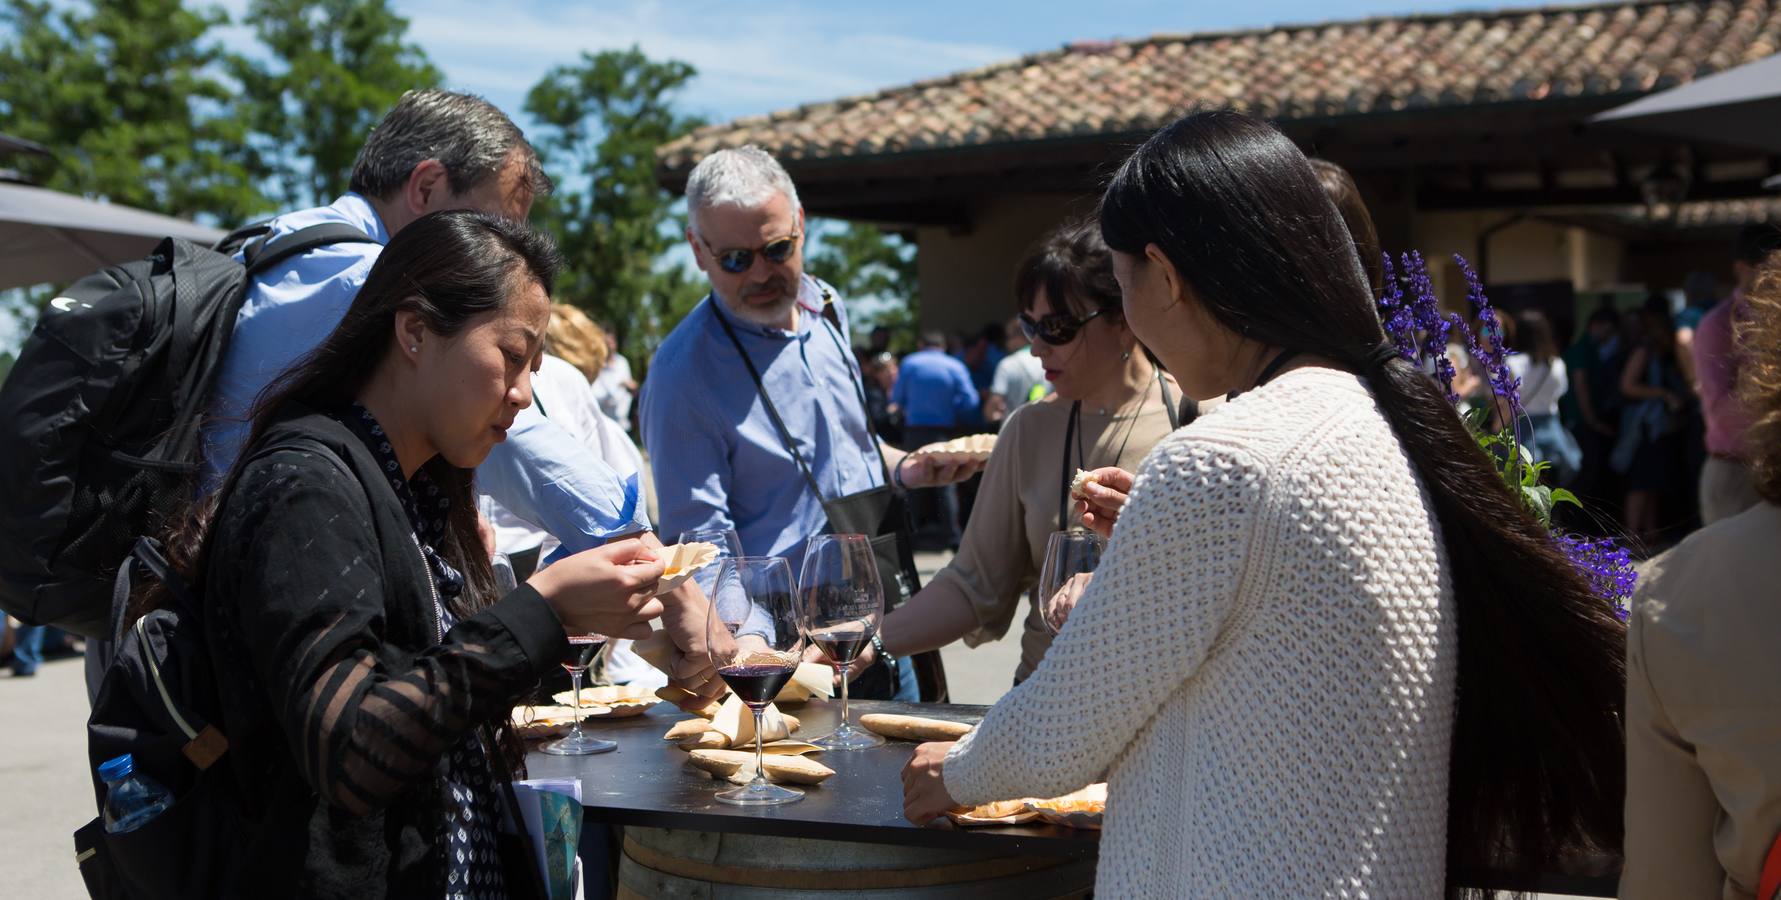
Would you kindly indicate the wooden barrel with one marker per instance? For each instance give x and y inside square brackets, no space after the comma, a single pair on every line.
[681,865]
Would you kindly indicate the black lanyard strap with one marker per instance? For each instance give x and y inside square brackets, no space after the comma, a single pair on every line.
[785,434]
[1068,474]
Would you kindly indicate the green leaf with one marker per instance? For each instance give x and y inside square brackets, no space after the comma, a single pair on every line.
[1539,502]
[1560,495]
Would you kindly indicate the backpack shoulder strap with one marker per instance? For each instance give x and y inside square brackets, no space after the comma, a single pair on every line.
[263,254]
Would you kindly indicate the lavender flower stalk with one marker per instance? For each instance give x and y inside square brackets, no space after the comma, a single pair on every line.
[1416,326]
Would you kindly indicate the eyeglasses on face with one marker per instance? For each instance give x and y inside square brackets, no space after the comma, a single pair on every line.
[741,259]
[1056,329]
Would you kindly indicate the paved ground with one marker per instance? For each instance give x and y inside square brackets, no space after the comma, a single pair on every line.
[45,792]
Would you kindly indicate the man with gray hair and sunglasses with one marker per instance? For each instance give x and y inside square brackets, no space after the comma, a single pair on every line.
[754,409]
[435,150]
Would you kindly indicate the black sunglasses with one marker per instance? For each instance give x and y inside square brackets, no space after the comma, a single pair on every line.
[738,261]
[1056,329]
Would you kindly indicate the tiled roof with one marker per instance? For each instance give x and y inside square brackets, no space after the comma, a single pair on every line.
[1335,69]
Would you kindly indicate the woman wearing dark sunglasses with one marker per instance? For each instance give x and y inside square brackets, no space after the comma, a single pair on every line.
[1112,405]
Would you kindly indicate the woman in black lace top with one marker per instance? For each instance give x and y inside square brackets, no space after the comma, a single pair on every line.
[365,664]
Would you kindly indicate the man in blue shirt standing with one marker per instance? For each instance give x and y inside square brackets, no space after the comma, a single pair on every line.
[937,398]
[436,150]
[753,411]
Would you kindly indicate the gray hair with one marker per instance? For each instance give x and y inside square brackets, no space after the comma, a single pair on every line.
[745,177]
[465,133]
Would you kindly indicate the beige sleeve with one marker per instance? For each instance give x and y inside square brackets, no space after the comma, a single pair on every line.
[994,567]
[1671,810]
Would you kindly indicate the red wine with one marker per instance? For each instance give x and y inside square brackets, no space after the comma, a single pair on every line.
[583,649]
[757,685]
[841,646]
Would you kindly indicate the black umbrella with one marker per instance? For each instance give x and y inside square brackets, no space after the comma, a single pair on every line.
[10,144]
[1740,106]
[49,236]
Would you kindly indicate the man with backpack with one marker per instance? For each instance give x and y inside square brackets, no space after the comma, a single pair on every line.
[434,150]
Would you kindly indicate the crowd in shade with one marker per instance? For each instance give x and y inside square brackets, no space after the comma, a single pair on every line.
[1365,593]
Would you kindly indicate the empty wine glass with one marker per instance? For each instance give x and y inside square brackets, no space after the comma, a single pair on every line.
[1070,561]
[842,601]
[728,544]
[756,643]
[583,648]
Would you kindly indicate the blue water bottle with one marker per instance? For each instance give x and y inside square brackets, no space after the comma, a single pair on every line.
[130,799]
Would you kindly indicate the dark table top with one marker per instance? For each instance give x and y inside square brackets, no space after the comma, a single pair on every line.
[647,782]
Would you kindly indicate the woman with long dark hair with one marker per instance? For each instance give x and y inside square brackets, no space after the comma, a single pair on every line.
[364,662]
[1327,652]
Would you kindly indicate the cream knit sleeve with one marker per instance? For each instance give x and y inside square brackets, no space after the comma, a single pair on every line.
[1167,589]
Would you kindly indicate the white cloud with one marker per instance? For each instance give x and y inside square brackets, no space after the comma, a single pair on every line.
[750,59]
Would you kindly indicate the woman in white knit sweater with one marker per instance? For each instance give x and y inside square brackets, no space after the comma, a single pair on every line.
[1323,621]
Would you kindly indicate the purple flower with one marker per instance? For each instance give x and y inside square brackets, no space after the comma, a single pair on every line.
[1495,358]
[1605,565]
[1413,320]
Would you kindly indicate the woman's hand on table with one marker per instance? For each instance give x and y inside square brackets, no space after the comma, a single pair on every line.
[1102,499]
[608,590]
[924,784]
[859,665]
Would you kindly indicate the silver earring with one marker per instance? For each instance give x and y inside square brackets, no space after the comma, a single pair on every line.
[1125,356]
[415,348]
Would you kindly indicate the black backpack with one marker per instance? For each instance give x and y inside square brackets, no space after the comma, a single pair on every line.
[159,704]
[102,414]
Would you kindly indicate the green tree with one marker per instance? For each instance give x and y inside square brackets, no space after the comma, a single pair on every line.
[600,121]
[336,67]
[125,95]
[874,270]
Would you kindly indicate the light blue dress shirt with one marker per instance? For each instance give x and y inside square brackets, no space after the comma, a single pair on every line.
[934,390]
[718,460]
[541,472]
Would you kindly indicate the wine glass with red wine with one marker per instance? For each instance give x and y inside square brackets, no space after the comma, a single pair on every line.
[842,601]
[583,648]
[756,642]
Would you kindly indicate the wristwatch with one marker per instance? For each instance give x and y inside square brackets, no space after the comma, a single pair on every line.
[878,649]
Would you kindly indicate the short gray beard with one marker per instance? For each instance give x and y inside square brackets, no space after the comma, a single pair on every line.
[772,317]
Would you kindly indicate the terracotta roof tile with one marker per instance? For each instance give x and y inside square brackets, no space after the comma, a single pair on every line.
[1294,72]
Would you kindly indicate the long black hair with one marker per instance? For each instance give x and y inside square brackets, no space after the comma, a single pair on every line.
[1537,769]
[447,267]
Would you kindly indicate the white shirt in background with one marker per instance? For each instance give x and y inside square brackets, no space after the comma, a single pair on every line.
[1017,377]
[1541,384]
[563,394]
[611,389]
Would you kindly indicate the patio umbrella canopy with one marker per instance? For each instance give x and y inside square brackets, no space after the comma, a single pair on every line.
[1739,106]
[49,236]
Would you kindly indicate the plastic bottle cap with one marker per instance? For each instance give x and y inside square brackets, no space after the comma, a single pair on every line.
[117,768]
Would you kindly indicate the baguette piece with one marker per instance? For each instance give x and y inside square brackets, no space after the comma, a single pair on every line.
[686,728]
[738,767]
[914,728]
[677,696]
